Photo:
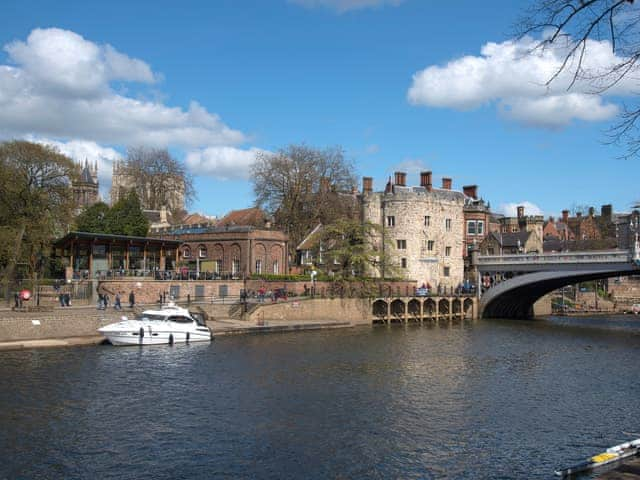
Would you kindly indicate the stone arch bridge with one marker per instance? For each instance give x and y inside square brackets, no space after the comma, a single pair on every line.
[533,276]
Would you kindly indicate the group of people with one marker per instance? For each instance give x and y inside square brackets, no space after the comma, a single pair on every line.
[103,301]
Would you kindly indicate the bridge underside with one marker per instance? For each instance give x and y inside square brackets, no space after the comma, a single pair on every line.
[514,298]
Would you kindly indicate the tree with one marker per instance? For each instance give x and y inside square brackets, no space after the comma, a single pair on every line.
[158,179]
[36,202]
[571,25]
[302,186]
[126,217]
[357,248]
[93,219]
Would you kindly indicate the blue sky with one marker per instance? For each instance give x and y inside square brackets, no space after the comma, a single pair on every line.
[400,84]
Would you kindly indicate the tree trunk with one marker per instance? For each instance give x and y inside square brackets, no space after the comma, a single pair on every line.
[9,270]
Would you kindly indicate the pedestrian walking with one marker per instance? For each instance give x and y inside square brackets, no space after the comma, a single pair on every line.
[132,299]
[116,302]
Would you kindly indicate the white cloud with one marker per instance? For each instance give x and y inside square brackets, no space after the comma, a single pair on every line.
[513,76]
[342,6]
[511,209]
[223,163]
[59,86]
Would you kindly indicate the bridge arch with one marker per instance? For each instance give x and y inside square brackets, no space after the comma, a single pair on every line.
[398,310]
[514,298]
[380,311]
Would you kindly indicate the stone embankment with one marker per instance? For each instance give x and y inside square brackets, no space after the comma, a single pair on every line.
[78,325]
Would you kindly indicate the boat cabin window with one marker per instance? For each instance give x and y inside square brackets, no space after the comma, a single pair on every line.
[180,319]
[148,316]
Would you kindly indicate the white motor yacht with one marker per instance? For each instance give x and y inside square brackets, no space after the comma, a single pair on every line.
[168,325]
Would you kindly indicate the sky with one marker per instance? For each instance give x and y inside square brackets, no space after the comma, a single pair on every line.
[400,85]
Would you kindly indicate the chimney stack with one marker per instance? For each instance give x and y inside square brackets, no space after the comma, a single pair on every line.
[425,180]
[565,216]
[606,211]
[471,191]
[591,211]
[520,211]
[446,183]
[367,185]
[401,179]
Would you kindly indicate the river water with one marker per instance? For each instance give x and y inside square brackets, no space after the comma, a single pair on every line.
[484,400]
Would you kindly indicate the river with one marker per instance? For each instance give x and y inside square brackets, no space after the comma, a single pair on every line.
[483,400]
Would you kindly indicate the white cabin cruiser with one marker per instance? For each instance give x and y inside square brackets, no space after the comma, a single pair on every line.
[168,325]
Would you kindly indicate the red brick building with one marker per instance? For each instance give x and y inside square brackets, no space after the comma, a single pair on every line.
[239,245]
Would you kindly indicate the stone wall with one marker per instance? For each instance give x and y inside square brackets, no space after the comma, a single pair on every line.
[356,311]
[58,323]
[420,216]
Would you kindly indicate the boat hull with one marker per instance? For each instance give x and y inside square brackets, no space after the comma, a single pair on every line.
[156,338]
[610,455]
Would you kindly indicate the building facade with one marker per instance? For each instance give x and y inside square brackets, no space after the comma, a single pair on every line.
[86,188]
[230,251]
[122,182]
[424,228]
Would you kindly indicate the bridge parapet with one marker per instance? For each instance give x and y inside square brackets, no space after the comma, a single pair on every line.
[554,261]
[621,256]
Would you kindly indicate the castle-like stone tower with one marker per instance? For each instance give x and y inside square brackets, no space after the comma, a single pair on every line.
[424,227]
[86,188]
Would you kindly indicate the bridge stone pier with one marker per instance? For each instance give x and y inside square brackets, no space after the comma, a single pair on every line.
[532,276]
[419,309]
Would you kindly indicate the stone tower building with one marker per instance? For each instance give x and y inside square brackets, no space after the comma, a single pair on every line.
[424,227]
[86,188]
[122,183]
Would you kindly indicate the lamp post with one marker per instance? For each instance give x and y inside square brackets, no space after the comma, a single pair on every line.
[313,283]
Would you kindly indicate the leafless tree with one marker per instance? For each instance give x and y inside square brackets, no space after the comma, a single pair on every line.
[570,26]
[159,179]
[302,186]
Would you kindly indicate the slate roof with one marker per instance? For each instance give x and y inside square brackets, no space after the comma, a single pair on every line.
[247,217]
[85,176]
[511,239]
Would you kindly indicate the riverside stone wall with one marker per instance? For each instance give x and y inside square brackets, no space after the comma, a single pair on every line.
[354,310]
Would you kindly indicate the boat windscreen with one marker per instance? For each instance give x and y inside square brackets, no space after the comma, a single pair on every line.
[150,316]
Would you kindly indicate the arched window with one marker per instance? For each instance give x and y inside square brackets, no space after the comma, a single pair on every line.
[186,251]
[276,268]
[202,251]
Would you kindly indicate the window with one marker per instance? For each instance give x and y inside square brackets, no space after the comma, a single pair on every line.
[480,228]
[447,224]
[427,220]
[202,251]
[276,268]
[447,251]
[471,227]
[446,271]
[403,262]
[258,266]
[430,245]
[402,244]
[217,266]
[235,266]
[186,252]
[391,221]
[491,251]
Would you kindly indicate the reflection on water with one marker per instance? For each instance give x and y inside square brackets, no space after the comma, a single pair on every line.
[500,399]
